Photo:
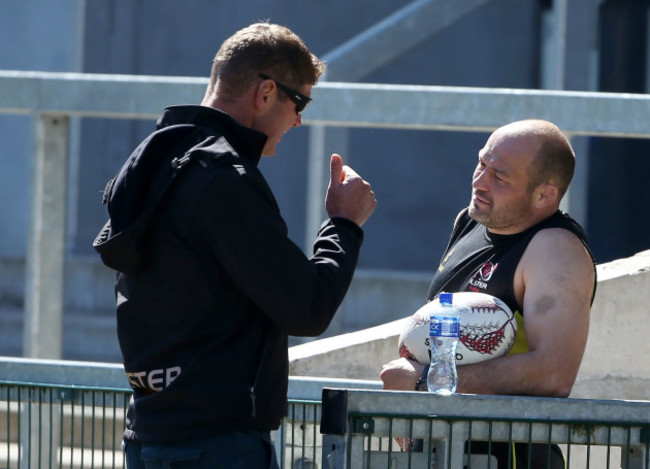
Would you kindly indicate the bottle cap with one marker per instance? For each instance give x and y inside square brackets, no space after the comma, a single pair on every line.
[445,298]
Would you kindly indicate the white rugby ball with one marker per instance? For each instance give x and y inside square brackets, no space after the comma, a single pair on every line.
[487,329]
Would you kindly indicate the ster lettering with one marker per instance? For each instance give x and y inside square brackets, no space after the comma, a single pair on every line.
[136,379]
[153,380]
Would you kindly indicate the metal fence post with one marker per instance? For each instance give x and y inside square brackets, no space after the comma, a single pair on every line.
[334,427]
[45,254]
[43,317]
[334,452]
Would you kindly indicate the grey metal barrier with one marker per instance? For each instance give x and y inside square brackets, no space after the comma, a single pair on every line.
[64,414]
[56,414]
[382,429]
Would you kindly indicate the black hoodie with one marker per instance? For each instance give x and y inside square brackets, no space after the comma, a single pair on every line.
[209,286]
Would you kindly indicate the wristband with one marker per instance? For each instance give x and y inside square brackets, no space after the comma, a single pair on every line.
[421,383]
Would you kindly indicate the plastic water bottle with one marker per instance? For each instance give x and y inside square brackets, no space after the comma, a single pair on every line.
[444,333]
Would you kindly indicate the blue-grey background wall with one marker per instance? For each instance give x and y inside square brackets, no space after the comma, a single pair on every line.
[421,178]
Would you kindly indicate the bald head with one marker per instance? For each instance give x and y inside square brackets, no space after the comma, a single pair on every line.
[553,158]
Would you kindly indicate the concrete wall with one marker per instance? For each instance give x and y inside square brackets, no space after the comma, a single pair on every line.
[35,35]
[615,364]
[616,361]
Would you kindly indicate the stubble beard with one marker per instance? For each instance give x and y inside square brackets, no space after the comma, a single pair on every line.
[501,218]
[482,217]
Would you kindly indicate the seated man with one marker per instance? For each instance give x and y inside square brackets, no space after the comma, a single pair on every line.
[514,243]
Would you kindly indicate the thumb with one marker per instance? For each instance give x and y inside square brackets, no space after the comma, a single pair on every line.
[336,168]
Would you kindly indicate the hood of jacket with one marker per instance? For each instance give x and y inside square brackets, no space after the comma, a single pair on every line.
[185,134]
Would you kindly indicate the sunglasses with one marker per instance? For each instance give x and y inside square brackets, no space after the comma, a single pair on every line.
[299,99]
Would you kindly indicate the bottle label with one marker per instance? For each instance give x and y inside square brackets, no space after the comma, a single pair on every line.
[444,326]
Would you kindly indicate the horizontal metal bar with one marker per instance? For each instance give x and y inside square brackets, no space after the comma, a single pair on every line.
[338,104]
[59,372]
[496,408]
[311,388]
[477,109]
[95,95]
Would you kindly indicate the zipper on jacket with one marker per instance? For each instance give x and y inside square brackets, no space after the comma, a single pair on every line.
[252,396]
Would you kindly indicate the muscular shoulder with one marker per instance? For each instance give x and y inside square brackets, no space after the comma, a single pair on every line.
[557,245]
[555,256]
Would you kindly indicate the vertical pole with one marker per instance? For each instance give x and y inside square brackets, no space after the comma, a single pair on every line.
[43,330]
[315,193]
[44,291]
[321,138]
[576,200]
[334,452]
[569,56]
[334,428]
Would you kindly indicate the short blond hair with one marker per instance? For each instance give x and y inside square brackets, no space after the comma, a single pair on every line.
[266,48]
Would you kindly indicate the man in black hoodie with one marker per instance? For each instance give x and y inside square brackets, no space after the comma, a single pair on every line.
[209,286]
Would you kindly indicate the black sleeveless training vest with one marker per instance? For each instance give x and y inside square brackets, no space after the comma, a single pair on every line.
[480,261]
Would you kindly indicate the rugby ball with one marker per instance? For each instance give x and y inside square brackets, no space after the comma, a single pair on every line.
[487,329]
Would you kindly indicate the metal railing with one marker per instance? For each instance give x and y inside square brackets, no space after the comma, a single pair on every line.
[64,414]
[361,429]
[61,414]
[55,426]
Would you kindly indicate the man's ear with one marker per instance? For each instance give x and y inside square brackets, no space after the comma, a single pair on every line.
[545,194]
[264,95]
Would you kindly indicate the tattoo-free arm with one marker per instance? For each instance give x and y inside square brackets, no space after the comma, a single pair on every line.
[555,279]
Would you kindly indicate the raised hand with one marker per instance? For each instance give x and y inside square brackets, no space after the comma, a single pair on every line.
[348,195]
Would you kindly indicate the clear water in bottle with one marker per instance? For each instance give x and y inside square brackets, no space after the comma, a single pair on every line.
[444,333]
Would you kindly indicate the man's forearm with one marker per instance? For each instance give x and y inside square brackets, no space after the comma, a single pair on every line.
[523,375]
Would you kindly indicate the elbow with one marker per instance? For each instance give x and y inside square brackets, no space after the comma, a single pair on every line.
[561,392]
[314,318]
[556,377]
[561,388]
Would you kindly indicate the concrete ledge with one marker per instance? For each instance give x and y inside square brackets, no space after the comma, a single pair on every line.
[614,365]
[357,354]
